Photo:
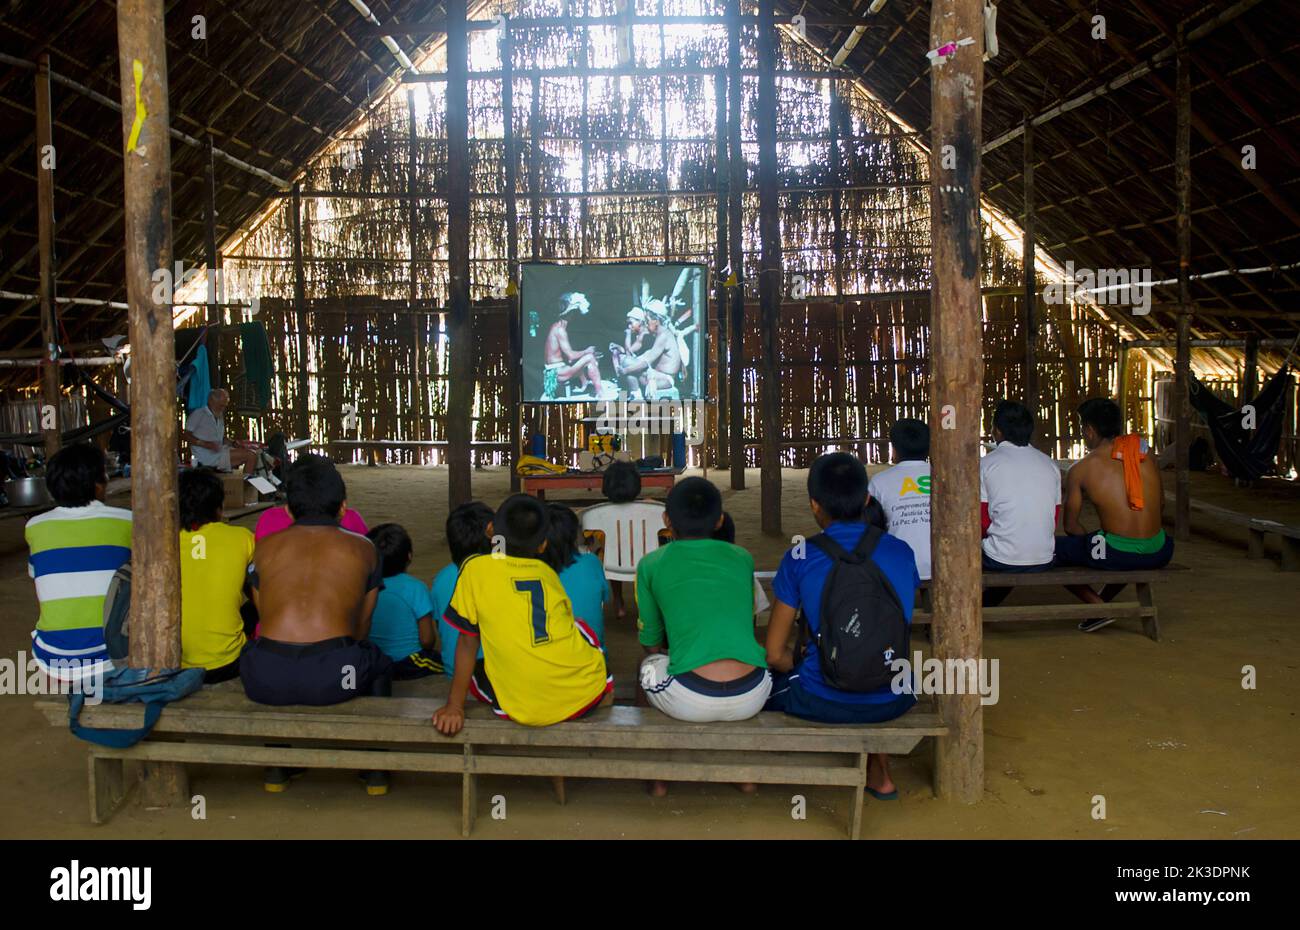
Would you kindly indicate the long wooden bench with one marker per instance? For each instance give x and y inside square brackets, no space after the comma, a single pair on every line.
[1144,608]
[1257,529]
[218,725]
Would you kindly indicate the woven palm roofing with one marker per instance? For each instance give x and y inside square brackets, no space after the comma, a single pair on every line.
[274,82]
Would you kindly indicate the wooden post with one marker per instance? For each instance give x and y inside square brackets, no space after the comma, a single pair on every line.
[1183,357]
[460,322]
[722,171]
[838,123]
[736,184]
[1029,314]
[210,230]
[50,417]
[957,377]
[770,281]
[303,413]
[1250,370]
[413,245]
[1122,382]
[514,333]
[155,557]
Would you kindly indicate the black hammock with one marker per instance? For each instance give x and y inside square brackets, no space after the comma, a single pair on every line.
[1247,454]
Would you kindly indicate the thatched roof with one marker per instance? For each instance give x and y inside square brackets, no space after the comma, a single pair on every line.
[274,82]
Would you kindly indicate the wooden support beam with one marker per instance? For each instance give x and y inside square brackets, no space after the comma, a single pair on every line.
[722,186]
[1250,370]
[155,557]
[770,278]
[737,182]
[514,333]
[303,411]
[957,378]
[1029,311]
[51,373]
[213,259]
[419,323]
[839,125]
[460,322]
[1183,359]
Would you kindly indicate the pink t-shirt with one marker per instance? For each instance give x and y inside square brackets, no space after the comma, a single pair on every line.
[277,518]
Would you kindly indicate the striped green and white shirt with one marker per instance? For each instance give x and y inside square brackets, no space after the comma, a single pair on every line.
[74,553]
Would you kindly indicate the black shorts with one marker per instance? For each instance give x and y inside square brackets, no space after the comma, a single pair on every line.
[329,672]
[481,687]
[420,664]
[1078,549]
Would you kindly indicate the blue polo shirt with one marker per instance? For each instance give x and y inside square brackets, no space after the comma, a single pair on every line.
[799,583]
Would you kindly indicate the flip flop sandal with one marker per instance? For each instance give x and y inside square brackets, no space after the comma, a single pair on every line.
[883,796]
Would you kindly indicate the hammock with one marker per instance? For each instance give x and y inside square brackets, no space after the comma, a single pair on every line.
[1247,454]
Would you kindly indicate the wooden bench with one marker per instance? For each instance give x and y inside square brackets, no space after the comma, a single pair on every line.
[1144,608]
[591,481]
[1257,529]
[218,725]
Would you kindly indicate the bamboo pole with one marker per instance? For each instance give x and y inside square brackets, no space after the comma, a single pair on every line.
[51,372]
[770,282]
[419,324]
[1029,318]
[838,122]
[210,230]
[957,376]
[303,411]
[155,557]
[722,171]
[460,322]
[736,185]
[1183,358]
[514,333]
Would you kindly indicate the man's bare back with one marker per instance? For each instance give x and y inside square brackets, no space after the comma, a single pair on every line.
[312,583]
[1101,479]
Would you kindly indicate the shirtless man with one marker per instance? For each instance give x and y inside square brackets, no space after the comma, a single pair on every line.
[562,359]
[656,368]
[314,586]
[1128,506]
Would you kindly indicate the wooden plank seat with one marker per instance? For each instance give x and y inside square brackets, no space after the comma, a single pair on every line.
[1258,529]
[219,725]
[1144,608]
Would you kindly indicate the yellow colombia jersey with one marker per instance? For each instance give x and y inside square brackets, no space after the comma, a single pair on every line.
[541,666]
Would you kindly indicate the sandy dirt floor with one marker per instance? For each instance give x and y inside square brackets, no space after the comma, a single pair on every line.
[1163,731]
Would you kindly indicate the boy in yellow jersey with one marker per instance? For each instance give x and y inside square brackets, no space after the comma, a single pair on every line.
[540,665]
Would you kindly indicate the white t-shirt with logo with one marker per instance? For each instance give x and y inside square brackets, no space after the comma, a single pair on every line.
[1022,487]
[904,495]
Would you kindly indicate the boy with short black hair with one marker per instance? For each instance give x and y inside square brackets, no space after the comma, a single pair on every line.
[467,535]
[540,665]
[695,599]
[837,496]
[904,490]
[75,549]
[402,624]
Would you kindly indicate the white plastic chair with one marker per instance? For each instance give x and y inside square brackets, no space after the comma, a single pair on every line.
[631,530]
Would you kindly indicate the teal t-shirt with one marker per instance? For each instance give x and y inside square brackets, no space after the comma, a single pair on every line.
[394,626]
[444,583]
[584,582]
[699,595]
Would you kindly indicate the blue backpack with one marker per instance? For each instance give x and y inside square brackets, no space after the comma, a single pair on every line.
[153,688]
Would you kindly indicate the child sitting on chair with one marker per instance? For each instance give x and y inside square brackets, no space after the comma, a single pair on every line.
[402,624]
[581,573]
[467,535]
[621,484]
[540,666]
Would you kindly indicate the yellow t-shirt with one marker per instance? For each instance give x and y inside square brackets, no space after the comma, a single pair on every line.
[542,667]
[214,562]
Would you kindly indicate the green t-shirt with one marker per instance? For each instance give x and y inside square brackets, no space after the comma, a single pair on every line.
[699,595]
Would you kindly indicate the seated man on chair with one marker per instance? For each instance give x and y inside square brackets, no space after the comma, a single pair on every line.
[205,431]
[1122,479]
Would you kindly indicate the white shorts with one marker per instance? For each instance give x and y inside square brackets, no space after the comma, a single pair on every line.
[689,697]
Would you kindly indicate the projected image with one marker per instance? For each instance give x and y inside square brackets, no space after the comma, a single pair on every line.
[601,332]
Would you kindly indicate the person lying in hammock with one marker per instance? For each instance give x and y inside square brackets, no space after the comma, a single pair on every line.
[1122,479]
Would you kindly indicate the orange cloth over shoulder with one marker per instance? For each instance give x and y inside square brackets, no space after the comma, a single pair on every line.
[1128,449]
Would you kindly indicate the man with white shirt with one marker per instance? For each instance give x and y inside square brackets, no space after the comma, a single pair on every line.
[904,490]
[205,431]
[1020,500]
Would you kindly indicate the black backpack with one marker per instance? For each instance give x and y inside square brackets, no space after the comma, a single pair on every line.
[863,627]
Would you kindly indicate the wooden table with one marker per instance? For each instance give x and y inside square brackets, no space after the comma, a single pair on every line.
[538,485]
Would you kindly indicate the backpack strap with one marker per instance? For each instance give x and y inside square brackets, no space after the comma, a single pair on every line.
[861,552]
[115,739]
